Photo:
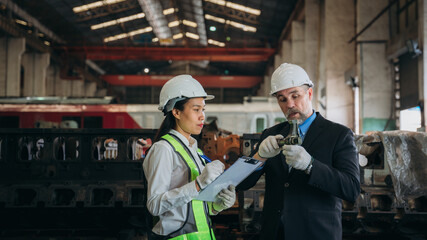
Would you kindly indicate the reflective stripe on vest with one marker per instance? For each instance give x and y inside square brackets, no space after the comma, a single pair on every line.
[203,230]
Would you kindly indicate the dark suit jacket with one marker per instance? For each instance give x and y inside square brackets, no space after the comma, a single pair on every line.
[310,205]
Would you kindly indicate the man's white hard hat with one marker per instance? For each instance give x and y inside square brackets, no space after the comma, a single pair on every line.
[289,75]
[179,88]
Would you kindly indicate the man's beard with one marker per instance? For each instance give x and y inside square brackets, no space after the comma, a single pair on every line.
[302,116]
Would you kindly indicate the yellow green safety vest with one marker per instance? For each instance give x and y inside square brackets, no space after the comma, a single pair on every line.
[201,219]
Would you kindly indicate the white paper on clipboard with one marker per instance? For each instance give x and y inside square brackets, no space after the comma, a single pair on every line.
[234,175]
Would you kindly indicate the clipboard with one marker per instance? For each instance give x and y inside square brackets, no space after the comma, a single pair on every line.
[234,175]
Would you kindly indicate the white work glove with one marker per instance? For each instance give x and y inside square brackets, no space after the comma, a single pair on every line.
[225,199]
[269,147]
[211,171]
[296,156]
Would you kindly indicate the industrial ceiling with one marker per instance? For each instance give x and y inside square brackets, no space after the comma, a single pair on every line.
[150,38]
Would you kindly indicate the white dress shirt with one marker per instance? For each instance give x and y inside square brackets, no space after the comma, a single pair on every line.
[169,190]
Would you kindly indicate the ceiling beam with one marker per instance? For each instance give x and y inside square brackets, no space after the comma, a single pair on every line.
[178,54]
[230,12]
[206,81]
[104,11]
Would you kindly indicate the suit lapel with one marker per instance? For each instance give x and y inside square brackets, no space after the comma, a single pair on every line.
[314,131]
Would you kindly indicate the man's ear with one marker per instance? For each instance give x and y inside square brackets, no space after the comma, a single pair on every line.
[176,113]
[310,93]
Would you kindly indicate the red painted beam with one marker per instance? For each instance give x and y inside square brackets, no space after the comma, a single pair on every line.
[206,81]
[165,53]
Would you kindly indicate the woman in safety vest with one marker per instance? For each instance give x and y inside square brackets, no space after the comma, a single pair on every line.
[176,170]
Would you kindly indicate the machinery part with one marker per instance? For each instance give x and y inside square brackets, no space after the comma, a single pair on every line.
[52,184]
[293,137]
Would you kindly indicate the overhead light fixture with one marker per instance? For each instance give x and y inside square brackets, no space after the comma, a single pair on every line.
[245,28]
[97,4]
[192,35]
[189,23]
[185,22]
[22,22]
[213,42]
[212,28]
[146,70]
[232,23]
[236,6]
[213,18]
[129,34]
[155,39]
[178,36]
[173,24]
[117,21]
[168,11]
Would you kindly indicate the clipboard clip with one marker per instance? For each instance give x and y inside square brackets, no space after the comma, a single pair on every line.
[251,161]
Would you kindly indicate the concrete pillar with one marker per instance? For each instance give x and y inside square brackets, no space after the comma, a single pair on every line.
[52,74]
[298,43]
[35,66]
[312,44]
[11,50]
[321,86]
[422,26]
[277,60]
[286,51]
[60,86]
[77,88]
[65,88]
[376,85]
[90,89]
[265,86]
[339,57]
[101,92]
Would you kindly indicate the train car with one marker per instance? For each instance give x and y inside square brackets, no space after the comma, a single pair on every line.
[253,115]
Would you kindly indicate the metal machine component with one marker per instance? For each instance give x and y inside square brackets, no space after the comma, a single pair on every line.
[293,137]
[76,183]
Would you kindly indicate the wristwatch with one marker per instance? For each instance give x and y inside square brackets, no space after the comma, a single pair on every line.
[309,167]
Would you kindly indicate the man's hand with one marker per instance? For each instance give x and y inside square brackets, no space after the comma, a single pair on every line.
[225,199]
[269,147]
[296,156]
[210,172]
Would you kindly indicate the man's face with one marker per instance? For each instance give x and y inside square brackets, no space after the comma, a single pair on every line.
[296,102]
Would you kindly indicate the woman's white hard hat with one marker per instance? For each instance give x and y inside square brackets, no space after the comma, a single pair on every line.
[179,88]
[289,75]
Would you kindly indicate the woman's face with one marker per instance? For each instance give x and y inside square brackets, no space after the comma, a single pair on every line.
[190,120]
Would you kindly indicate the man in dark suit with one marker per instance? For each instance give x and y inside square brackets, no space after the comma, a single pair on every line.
[304,185]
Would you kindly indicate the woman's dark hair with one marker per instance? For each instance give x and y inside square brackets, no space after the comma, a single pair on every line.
[169,121]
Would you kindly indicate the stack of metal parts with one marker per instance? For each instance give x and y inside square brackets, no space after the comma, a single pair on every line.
[74,183]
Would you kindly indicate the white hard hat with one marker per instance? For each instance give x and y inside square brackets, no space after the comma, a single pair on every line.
[289,75]
[179,88]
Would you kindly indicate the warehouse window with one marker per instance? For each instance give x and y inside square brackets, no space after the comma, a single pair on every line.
[410,119]
[260,122]
[92,122]
[279,120]
[9,121]
[70,122]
